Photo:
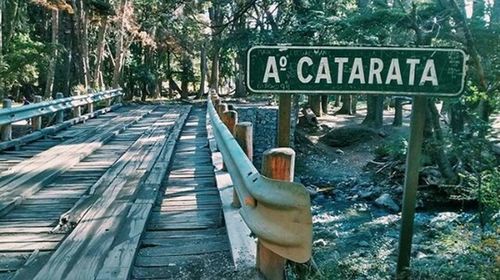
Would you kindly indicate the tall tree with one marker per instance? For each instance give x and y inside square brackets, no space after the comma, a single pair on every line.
[53,58]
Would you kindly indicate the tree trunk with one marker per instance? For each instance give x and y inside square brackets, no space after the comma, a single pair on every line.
[346,108]
[65,70]
[119,46]
[2,9]
[240,90]
[337,101]
[101,43]
[53,60]
[435,147]
[484,105]
[398,114]
[354,104]
[214,77]
[457,121]
[315,104]
[203,70]
[324,104]
[10,14]
[84,44]
[374,111]
[217,18]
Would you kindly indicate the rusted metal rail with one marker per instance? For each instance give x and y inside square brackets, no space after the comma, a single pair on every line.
[277,212]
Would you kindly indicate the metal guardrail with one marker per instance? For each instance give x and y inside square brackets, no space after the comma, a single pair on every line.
[277,212]
[11,115]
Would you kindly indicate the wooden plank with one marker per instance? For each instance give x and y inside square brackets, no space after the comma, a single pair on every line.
[184,241]
[119,261]
[12,261]
[184,249]
[23,180]
[184,234]
[74,215]
[30,237]
[185,261]
[94,236]
[27,246]
[23,229]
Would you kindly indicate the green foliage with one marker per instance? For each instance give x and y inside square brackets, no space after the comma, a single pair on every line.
[394,150]
[22,62]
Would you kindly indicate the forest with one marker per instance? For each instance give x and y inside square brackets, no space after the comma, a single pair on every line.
[183,49]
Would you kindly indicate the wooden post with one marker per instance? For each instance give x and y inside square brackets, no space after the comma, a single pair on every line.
[77,111]
[6,130]
[411,183]
[230,119]
[284,123]
[119,99]
[216,102]
[59,114]
[90,107]
[36,122]
[213,96]
[243,133]
[221,108]
[279,164]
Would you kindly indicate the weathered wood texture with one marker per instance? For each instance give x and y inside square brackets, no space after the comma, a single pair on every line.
[26,178]
[100,241]
[279,164]
[185,236]
[51,130]
[27,233]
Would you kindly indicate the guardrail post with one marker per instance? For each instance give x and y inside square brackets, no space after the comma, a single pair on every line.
[6,130]
[90,106]
[279,164]
[59,114]
[216,102]
[36,122]
[230,118]
[243,133]
[77,111]
[119,98]
[109,101]
[221,108]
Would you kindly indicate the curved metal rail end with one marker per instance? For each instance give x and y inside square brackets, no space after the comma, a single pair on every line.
[277,212]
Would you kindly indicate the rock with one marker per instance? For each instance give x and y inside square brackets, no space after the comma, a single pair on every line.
[320,243]
[443,220]
[365,194]
[364,244]
[421,255]
[312,190]
[353,198]
[398,189]
[386,201]
[348,135]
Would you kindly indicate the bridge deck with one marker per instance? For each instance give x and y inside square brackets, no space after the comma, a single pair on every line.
[84,202]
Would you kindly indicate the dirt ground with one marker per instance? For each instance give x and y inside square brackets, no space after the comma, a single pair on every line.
[357,238]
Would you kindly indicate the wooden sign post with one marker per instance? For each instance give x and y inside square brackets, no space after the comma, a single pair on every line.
[284,122]
[313,70]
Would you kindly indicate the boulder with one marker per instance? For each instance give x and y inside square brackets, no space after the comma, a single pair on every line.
[386,201]
[349,135]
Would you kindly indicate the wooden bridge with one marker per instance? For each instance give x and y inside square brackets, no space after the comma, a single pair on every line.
[135,193]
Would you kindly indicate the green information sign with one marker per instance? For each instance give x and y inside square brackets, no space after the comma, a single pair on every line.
[356,70]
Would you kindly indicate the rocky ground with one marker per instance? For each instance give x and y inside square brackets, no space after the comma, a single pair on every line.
[356,215]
